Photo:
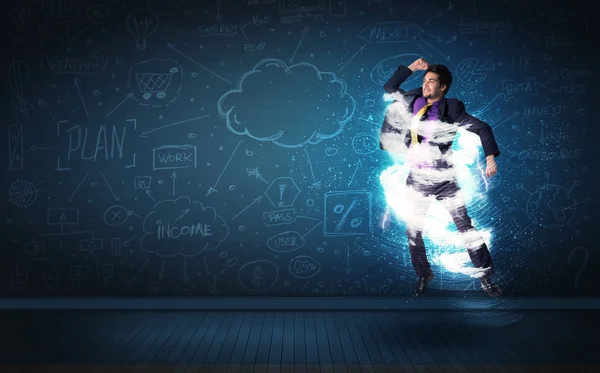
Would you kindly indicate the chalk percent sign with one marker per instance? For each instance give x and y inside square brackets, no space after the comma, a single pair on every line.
[341,209]
[303,266]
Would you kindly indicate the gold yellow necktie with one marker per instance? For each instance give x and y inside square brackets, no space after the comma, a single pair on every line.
[415,123]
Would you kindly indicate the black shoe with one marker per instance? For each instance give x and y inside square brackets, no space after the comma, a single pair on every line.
[421,286]
[489,287]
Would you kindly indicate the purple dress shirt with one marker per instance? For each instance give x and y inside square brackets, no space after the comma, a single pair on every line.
[419,156]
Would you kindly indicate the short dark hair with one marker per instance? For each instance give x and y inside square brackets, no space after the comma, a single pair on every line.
[444,74]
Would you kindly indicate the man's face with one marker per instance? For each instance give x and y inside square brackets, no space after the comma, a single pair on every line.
[431,86]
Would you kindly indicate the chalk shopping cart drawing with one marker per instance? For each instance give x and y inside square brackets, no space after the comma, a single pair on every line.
[155,82]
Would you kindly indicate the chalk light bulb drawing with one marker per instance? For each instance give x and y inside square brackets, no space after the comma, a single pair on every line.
[142,23]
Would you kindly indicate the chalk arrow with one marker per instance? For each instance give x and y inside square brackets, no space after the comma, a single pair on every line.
[127,97]
[354,55]
[304,32]
[174,177]
[109,187]
[145,133]
[35,149]
[437,38]
[42,103]
[138,276]
[357,164]
[161,274]
[149,193]
[77,84]
[210,191]
[219,12]
[348,268]
[183,213]
[256,200]
[127,243]
[213,188]
[196,62]
[185,278]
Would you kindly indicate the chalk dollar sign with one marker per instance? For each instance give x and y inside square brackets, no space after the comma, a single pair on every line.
[257,277]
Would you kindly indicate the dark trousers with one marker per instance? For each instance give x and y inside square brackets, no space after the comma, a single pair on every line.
[447,192]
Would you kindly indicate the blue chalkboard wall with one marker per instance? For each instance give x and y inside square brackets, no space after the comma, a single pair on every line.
[231,147]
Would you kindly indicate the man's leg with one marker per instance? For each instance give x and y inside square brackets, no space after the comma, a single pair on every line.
[418,203]
[414,230]
[451,198]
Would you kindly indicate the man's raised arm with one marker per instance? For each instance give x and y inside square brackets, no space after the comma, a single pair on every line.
[401,74]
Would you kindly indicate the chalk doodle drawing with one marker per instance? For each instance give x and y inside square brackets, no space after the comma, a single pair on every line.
[265,108]
[182,227]
[155,82]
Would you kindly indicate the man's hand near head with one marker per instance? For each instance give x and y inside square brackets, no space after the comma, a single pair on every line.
[420,64]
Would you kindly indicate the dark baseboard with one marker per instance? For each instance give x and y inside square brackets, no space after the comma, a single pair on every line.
[301,303]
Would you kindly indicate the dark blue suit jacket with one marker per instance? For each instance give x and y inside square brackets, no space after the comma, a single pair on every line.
[450,110]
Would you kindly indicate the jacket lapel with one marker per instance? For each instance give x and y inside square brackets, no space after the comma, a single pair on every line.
[442,109]
[411,101]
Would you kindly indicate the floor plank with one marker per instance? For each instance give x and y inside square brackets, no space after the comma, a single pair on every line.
[264,343]
[293,341]
[183,343]
[275,347]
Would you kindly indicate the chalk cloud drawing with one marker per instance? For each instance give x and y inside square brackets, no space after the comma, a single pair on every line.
[290,106]
[182,227]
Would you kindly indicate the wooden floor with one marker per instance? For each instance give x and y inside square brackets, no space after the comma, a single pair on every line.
[406,341]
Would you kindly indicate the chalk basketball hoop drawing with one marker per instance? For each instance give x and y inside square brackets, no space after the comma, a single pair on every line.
[155,82]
